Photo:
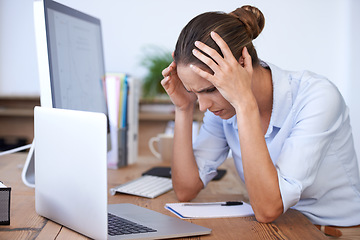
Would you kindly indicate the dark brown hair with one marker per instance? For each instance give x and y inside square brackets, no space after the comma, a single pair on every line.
[237,28]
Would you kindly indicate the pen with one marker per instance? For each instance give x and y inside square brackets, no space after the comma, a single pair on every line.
[230,203]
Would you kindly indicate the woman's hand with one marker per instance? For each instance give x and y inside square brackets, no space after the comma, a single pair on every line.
[175,88]
[231,77]
[184,171]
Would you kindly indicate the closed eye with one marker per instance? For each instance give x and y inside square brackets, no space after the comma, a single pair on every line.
[205,90]
[211,90]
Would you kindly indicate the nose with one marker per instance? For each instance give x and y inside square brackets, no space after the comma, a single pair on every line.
[204,102]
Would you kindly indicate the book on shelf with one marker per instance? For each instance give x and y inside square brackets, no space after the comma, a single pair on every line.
[122,93]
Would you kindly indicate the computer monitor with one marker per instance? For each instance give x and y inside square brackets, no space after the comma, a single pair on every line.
[70,63]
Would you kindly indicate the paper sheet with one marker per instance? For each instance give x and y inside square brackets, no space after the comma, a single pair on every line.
[211,211]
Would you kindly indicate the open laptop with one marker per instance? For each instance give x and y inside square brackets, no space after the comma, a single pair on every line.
[71,179]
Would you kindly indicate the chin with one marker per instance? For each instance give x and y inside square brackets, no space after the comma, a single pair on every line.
[226,116]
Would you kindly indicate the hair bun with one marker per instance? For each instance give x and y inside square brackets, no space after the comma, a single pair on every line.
[252,18]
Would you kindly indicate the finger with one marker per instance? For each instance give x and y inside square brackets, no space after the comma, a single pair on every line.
[208,61]
[209,51]
[168,70]
[247,59]
[201,73]
[222,45]
[173,67]
[165,81]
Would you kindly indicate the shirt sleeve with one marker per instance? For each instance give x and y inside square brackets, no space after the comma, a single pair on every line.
[210,147]
[318,113]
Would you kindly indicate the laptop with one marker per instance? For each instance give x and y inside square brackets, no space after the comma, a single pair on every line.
[71,180]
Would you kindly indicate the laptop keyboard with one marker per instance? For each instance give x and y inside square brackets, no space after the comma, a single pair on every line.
[121,226]
[146,186]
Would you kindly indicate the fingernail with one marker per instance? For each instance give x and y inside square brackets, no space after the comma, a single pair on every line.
[197,43]
[194,51]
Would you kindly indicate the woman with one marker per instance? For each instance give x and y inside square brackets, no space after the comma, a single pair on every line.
[289,132]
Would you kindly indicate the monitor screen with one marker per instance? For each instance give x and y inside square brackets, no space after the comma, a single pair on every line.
[76,60]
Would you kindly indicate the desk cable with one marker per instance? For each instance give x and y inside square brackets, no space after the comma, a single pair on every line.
[18,149]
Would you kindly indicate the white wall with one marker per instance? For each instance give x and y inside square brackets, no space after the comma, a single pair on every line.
[18,68]
[321,36]
[354,71]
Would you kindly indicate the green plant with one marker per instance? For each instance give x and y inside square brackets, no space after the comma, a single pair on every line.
[155,60]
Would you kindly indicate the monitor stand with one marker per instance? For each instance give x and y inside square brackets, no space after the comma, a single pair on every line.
[28,173]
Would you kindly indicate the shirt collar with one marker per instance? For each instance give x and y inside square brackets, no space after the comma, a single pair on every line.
[282,97]
[232,121]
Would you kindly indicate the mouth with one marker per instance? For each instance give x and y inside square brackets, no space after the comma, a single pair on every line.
[218,112]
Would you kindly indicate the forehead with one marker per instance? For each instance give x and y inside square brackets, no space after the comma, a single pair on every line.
[191,80]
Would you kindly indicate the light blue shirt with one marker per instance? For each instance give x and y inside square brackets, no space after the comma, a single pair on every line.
[310,143]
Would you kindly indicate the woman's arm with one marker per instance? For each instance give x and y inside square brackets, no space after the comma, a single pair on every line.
[185,175]
[259,171]
[234,82]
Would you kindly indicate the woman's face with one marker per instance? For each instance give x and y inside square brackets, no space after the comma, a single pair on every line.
[208,96]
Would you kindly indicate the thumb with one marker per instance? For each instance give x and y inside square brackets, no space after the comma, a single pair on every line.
[247,60]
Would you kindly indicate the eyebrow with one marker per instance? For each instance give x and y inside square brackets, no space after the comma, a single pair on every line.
[202,90]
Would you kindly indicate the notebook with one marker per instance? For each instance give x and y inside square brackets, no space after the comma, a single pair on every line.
[71,180]
[210,210]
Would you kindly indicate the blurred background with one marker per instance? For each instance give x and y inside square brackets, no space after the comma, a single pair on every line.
[322,36]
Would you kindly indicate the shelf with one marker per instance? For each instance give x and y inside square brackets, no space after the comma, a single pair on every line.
[24,107]
[163,115]
[12,112]
[18,106]
[156,116]
[150,116]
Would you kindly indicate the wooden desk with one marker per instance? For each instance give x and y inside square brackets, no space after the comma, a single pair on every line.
[26,224]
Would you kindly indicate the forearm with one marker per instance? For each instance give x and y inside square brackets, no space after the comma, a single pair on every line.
[185,174]
[259,171]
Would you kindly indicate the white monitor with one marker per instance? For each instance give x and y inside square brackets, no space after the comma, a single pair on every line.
[70,63]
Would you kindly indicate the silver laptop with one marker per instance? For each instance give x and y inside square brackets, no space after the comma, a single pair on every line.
[71,181]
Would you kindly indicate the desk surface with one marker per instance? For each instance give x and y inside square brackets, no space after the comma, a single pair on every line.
[26,224]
